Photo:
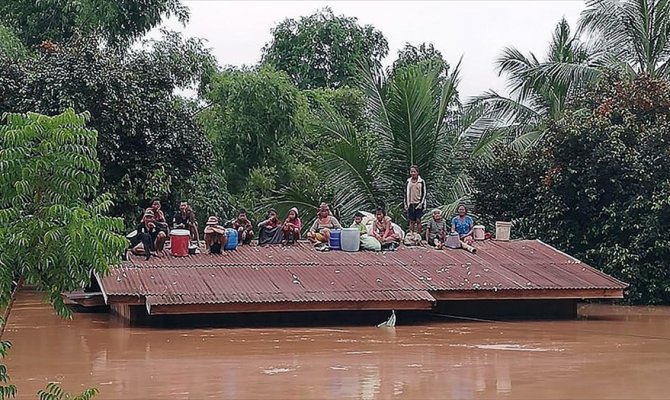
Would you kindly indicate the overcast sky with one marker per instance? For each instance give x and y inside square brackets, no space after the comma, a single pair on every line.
[477,30]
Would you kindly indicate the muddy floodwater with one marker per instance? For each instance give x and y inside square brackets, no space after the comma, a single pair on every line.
[611,352]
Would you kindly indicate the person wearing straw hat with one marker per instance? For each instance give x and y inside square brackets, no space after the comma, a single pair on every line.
[437,230]
[152,238]
[215,236]
[292,226]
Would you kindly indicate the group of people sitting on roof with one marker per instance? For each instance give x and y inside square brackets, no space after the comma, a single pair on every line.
[377,231]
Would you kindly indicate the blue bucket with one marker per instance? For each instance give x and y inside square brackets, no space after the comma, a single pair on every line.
[231,235]
[335,236]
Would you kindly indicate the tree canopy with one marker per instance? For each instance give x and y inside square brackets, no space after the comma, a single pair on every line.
[424,54]
[146,133]
[323,50]
[116,21]
[599,187]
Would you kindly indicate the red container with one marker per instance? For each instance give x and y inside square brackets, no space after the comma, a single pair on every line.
[179,240]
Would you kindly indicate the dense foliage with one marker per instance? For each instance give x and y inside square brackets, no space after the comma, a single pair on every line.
[53,230]
[599,188]
[118,21]
[574,154]
[149,141]
[324,50]
[425,54]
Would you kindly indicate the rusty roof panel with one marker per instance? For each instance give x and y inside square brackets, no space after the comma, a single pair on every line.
[299,273]
[398,295]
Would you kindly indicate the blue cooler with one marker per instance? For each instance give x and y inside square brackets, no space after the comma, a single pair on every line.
[231,235]
[335,239]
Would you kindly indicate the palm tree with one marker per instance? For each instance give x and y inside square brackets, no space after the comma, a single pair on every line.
[538,89]
[414,119]
[634,33]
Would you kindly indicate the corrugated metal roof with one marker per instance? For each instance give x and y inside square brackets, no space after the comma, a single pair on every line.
[298,273]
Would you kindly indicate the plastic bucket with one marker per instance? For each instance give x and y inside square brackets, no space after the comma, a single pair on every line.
[231,236]
[453,240]
[335,236]
[478,232]
[351,239]
[179,239]
[503,230]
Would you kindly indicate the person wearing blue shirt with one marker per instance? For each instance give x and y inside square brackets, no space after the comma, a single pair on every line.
[463,224]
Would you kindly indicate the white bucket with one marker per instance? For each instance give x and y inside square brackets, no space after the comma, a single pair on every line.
[503,230]
[180,232]
[453,240]
[350,240]
[478,232]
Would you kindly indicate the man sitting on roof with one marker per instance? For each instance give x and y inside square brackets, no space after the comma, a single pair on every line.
[244,228]
[150,236]
[215,236]
[185,219]
[159,216]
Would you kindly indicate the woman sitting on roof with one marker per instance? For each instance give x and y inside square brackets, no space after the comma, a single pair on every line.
[292,226]
[382,230]
[463,224]
[269,230]
[436,232]
[325,222]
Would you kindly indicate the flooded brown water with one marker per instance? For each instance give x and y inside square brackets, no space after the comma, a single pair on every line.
[609,353]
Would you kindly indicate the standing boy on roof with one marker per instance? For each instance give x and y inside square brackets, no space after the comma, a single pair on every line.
[415,199]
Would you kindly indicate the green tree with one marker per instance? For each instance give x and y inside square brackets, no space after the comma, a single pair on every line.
[410,123]
[53,231]
[598,187]
[149,140]
[323,50]
[253,122]
[635,34]
[118,21]
[10,45]
[425,54]
[539,90]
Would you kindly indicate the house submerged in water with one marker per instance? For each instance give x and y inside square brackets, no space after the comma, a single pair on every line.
[520,278]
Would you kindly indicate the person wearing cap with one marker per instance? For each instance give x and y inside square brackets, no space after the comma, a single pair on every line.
[151,237]
[325,222]
[185,219]
[437,231]
[215,236]
[292,226]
